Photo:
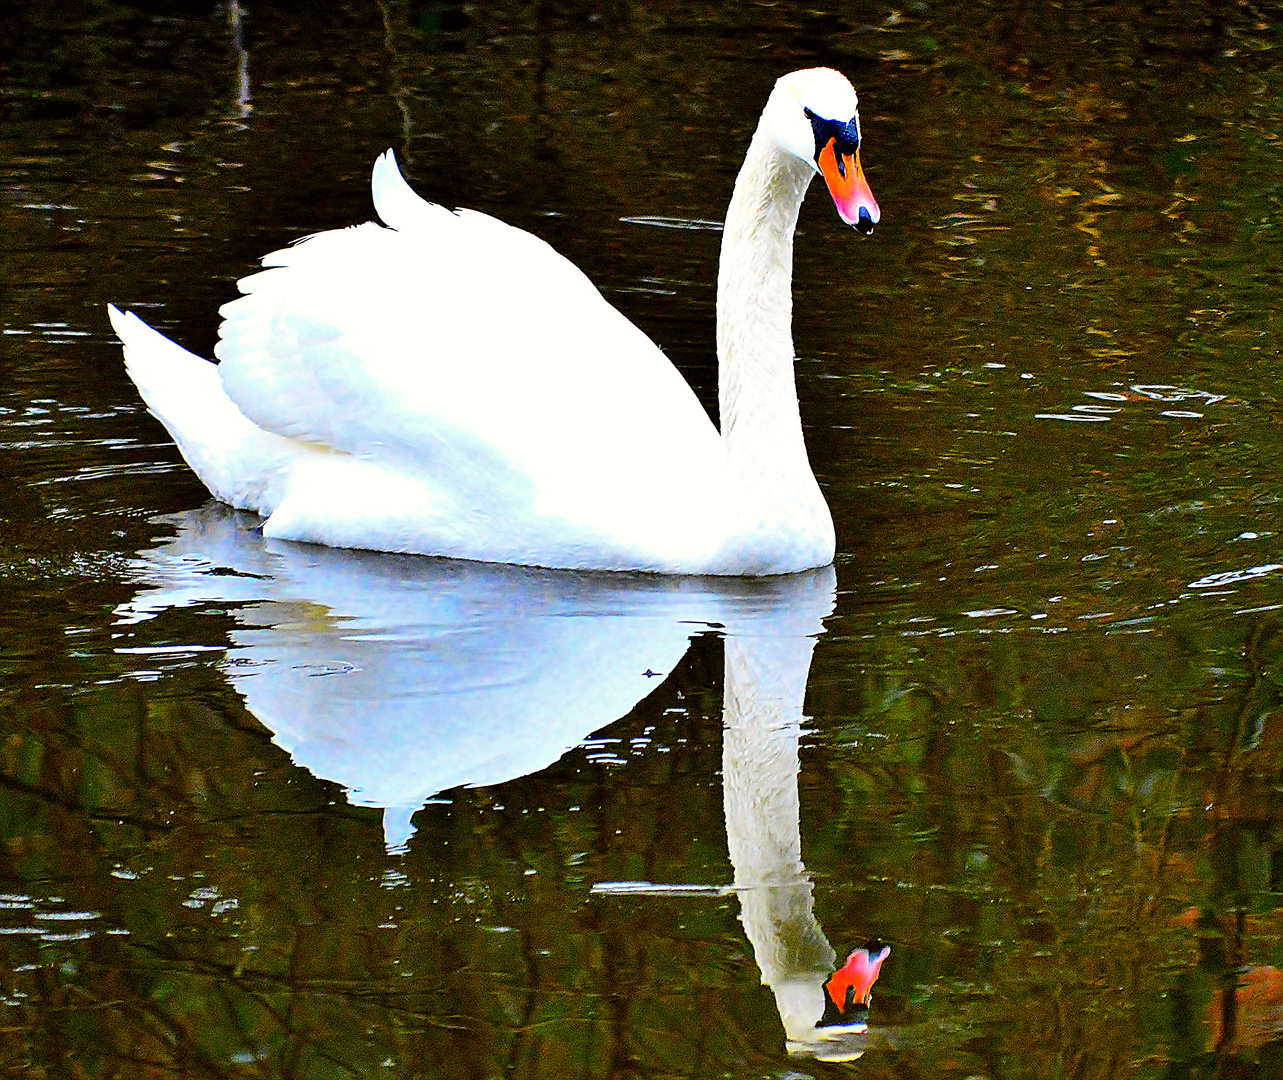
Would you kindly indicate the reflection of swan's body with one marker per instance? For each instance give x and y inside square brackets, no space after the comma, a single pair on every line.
[452,386]
[403,677]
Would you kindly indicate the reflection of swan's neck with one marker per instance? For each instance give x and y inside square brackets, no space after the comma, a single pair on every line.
[765,687]
[757,396]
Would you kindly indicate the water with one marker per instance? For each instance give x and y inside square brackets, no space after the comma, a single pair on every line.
[1036,748]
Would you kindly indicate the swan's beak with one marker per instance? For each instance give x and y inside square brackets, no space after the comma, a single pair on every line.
[850,190]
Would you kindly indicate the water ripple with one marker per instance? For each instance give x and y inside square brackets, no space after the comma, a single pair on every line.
[1137,392]
[660,222]
[1234,577]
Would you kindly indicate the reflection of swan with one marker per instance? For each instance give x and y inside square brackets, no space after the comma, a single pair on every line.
[452,386]
[402,677]
[765,684]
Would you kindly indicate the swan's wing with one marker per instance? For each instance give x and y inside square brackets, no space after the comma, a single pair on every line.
[457,345]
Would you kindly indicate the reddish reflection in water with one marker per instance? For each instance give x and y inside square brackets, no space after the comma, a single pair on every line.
[850,988]
[1250,1015]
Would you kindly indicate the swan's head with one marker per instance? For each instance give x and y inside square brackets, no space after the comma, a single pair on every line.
[813,115]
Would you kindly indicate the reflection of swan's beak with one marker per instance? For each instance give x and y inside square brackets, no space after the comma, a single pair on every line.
[850,190]
[851,985]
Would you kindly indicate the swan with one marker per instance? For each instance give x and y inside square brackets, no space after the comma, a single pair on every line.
[447,384]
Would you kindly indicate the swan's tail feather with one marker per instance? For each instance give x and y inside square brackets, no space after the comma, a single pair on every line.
[239,462]
[396,203]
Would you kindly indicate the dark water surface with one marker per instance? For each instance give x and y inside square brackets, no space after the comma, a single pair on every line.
[1029,732]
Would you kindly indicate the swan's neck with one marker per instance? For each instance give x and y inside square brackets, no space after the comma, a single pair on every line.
[757,395]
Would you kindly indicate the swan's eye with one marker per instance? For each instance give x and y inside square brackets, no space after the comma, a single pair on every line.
[845,135]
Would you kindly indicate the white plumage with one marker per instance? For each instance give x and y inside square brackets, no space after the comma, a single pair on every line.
[450,385]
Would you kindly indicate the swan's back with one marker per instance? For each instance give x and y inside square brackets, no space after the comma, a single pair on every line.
[469,354]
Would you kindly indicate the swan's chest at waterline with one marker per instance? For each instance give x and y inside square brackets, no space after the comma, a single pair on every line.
[697,522]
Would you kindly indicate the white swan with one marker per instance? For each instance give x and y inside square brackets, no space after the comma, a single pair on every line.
[450,385]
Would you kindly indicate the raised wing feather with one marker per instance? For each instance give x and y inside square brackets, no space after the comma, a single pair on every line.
[389,343]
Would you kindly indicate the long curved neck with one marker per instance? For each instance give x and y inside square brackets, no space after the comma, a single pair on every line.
[757,395]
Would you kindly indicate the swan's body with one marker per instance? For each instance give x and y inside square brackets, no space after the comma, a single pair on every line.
[450,385]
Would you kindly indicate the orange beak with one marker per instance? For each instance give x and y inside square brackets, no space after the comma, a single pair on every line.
[850,190]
